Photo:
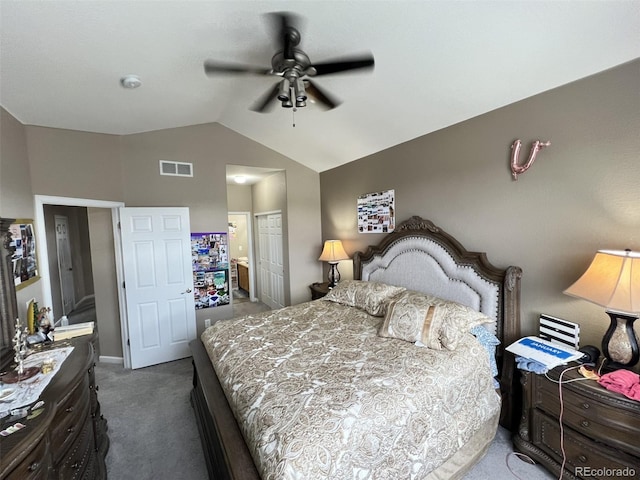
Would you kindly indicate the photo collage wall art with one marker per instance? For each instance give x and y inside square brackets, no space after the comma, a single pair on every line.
[210,261]
[376,212]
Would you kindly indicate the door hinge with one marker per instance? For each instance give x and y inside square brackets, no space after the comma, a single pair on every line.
[128,342]
[124,285]
[119,226]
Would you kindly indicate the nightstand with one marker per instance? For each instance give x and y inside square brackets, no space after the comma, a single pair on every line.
[601,427]
[319,290]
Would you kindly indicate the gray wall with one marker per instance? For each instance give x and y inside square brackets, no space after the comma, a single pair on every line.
[16,198]
[270,195]
[239,198]
[46,161]
[582,193]
[105,281]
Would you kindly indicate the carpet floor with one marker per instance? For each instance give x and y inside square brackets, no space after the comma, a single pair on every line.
[153,432]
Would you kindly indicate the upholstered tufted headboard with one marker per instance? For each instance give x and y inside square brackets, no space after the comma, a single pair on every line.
[420,256]
[422,264]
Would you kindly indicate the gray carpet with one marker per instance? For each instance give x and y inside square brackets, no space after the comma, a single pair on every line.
[152,427]
[153,432]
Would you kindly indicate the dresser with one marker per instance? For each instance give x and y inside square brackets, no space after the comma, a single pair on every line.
[601,428]
[68,440]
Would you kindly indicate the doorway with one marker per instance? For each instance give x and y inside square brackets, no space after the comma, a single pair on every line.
[104,247]
[241,255]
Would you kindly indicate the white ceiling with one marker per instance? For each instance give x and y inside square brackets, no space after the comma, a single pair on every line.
[437,63]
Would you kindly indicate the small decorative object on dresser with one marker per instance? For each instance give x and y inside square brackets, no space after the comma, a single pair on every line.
[319,290]
[580,425]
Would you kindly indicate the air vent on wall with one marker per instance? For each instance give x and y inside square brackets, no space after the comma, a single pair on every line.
[176,169]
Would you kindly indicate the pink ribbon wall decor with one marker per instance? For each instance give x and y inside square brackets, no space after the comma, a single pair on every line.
[515,153]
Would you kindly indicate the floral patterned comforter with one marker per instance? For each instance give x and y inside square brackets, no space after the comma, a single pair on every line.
[319,395]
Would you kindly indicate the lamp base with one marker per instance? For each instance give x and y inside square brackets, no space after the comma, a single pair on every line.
[619,344]
[334,274]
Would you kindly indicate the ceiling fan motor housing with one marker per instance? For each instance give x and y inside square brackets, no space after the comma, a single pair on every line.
[300,63]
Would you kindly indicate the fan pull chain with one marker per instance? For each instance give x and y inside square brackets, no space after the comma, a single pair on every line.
[293,116]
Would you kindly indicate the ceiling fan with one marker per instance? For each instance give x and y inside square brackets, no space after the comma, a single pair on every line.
[295,68]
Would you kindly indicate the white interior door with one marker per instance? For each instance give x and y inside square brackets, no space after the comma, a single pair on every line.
[156,252]
[271,264]
[65,264]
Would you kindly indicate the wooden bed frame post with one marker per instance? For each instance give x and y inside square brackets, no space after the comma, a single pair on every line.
[509,378]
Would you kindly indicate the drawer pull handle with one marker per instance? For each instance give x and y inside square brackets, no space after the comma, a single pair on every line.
[582,458]
[34,466]
[69,409]
[585,405]
[585,423]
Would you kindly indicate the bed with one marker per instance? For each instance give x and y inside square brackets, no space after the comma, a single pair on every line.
[339,388]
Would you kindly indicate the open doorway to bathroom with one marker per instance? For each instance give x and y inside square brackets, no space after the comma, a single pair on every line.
[251,191]
[240,252]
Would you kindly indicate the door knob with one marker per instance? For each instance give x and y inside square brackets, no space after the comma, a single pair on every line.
[188,290]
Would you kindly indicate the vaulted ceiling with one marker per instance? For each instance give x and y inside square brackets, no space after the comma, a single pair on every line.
[436,63]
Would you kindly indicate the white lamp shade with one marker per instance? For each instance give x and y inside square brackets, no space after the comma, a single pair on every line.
[611,281]
[333,252]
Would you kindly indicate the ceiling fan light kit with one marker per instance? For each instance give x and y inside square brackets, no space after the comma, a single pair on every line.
[294,66]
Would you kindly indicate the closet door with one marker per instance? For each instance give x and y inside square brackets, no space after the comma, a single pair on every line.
[270,255]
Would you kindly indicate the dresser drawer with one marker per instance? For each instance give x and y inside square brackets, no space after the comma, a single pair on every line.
[93,389]
[80,458]
[35,465]
[69,420]
[616,427]
[584,456]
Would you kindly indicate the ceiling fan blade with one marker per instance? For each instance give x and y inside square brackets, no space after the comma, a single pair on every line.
[321,96]
[344,65]
[212,67]
[265,103]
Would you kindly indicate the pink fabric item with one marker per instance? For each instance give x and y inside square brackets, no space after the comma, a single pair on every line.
[622,381]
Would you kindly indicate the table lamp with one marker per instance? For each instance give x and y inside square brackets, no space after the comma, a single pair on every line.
[332,253]
[613,282]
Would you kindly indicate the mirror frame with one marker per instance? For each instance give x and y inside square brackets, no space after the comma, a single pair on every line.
[8,301]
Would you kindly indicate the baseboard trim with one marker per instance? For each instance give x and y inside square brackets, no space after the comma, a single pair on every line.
[107,359]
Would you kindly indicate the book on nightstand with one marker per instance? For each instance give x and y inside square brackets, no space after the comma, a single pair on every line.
[64,332]
[542,351]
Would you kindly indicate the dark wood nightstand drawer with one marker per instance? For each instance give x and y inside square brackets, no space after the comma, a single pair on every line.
[582,454]
[600,428]
[614,426]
